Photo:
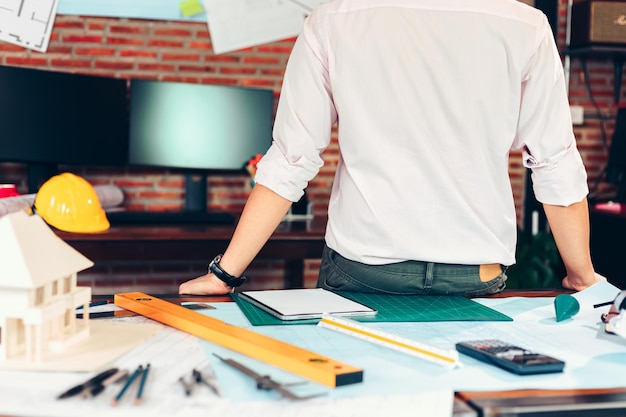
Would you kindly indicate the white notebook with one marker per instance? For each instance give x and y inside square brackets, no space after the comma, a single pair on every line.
[308,303]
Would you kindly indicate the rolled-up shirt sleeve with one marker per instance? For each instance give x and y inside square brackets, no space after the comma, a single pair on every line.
[560,180]
[304,118]
[545,132]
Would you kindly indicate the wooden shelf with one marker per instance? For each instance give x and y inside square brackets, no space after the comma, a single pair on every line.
[616,53]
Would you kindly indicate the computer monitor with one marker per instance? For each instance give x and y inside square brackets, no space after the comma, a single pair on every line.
[198,129]
[54,118]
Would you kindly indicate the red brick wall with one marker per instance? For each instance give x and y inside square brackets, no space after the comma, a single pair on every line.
[181,51]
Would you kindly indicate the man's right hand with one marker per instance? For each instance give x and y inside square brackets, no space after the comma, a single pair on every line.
[207,284]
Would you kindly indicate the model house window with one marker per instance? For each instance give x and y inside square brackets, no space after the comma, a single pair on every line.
[39,296]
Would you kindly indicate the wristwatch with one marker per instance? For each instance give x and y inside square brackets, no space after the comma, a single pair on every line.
[216,269]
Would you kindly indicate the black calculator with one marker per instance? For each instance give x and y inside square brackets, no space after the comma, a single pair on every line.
[510,357]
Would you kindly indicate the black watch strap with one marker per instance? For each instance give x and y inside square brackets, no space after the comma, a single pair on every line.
[216,269]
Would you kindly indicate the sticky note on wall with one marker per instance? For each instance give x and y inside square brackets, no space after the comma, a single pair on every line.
[190,7]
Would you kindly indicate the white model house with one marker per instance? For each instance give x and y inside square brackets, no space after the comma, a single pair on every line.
[38,291]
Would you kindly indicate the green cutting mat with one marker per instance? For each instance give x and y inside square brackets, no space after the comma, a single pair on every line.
[398,308]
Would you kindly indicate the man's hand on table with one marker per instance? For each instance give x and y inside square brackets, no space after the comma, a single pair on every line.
[207,284]
[580,283]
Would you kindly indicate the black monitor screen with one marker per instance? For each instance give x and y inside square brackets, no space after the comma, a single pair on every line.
[59,118]
[198,126]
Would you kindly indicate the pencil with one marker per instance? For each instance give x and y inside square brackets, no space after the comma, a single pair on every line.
[142,383]
[128,383]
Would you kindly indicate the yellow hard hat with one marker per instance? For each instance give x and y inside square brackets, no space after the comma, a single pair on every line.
[69,203]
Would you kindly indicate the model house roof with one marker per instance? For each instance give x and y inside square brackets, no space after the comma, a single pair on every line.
[31,254]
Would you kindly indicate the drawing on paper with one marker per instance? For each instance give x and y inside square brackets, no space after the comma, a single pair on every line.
[27,23]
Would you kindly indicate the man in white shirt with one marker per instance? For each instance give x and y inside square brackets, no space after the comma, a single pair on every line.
[429,97]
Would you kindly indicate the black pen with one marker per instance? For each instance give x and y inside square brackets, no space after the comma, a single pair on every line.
[88,384]
[99,387]
[606,303]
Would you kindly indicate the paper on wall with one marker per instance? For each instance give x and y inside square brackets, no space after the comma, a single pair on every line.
[28,23]
[238,24]
[307,5]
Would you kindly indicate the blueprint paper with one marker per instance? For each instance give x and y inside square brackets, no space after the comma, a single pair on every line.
[593,358]
[402,384]
[27,23]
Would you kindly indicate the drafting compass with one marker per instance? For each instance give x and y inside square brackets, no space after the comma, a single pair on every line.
[265,382]
[197,377]
[615,319]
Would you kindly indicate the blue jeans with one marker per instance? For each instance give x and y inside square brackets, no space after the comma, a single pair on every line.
[409,277]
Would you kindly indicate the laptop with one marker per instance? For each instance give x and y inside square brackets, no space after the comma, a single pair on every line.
[308,303]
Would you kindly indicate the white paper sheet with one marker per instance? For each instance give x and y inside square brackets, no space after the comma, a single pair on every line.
[307,5]
[238,24]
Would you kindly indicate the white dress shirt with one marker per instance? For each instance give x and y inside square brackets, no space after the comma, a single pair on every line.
[429,97]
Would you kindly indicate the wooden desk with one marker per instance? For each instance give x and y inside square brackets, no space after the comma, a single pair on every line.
[292,242]
[546,403]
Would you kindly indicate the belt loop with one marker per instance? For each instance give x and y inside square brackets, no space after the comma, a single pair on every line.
[428,277]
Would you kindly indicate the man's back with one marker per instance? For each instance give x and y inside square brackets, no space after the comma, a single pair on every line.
[430,96]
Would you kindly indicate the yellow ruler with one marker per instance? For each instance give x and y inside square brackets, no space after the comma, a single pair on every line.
[292,358]
[447,358]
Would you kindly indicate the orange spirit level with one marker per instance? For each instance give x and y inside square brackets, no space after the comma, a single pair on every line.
[291,358]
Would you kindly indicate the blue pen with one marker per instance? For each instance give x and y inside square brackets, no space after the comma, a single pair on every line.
[142,383]
[95,303]
[128,383]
